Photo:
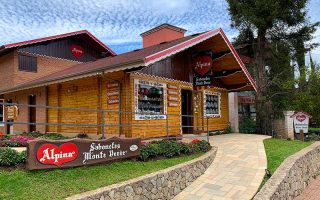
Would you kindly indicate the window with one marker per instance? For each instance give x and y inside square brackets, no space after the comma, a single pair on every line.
[150,100]
[27,63]
[1,112]
[212,104]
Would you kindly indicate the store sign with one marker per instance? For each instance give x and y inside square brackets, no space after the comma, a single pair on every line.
[77,50]
[246,99]
[301,122]
[202,66]
[49,154]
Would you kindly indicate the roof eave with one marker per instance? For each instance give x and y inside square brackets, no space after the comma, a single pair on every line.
[86,74]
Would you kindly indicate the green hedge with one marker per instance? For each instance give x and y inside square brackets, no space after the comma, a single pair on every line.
[171,148]
[11,157]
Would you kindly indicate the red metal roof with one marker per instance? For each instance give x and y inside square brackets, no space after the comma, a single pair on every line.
[28,42]
[142,57]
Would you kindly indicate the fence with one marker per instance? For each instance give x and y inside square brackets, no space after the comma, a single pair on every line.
[68,120]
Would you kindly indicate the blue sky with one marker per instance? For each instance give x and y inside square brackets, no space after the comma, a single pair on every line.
[117,23]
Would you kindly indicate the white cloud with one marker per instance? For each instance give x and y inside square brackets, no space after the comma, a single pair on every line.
[115,22]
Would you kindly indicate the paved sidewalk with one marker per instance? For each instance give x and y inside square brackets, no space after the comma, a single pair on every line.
[236,172]
[312,192]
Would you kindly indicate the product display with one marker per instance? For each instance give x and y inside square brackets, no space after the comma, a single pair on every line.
[150,100]
[212,104]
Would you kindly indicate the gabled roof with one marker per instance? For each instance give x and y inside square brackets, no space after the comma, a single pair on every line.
[138,58]
[86,35]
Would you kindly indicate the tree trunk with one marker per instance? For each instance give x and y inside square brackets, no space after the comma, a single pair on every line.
[263,106]
[300,58]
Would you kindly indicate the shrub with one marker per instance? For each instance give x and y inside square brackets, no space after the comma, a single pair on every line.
[54,136]
[10,157]
[34,134]
[19,141]
[171,148]
[186,149]
[150,150]
[23,156]
[82,135]
[203,146]
[247,126]
[227,130]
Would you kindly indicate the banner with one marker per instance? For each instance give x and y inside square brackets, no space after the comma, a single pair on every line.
[51,154]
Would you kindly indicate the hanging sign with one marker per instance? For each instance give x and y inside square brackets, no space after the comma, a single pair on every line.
[77,50]
[301,121]
[202,66]
[12,112]
[51,154]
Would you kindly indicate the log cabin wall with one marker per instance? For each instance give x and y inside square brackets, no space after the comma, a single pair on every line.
[157,128]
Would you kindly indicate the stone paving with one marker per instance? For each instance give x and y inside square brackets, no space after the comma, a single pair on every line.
[236,172]
[312,192]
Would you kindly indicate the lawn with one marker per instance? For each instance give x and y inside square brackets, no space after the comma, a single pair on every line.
[278,150]
[58,184]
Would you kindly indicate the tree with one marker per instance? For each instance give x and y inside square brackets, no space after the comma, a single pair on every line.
[266,20]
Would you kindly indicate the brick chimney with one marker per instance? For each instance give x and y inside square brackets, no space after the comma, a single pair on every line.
[160,34]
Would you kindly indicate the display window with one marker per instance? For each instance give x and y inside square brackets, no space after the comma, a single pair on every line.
[150,100]
[212,101]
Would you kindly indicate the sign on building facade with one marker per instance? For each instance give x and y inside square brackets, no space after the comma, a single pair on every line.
[202,66]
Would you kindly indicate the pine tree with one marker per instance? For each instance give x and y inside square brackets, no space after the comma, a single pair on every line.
[268,21]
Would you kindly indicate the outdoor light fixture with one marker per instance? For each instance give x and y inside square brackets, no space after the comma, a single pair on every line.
[268,173]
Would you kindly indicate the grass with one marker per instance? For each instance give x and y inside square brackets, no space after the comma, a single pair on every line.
[277,150]
[58,184]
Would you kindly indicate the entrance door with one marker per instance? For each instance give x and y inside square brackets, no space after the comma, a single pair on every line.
[186,109]
[32,113]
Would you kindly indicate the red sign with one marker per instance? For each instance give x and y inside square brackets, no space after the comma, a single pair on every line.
[301,117]
[202,64]
[77,50]
[50,154]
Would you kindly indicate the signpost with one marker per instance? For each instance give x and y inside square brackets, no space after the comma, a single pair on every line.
[301,122]
[52,154]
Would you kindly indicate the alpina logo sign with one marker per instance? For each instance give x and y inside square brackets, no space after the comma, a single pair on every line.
[77,50]
[202,65]
[50,154]
[301,118]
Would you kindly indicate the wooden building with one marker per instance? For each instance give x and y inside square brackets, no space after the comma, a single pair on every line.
[175,82]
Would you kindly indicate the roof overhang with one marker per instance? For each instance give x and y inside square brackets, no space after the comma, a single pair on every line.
[102,46]
[249,83]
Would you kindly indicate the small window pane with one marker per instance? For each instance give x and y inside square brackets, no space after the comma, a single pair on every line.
[27,63]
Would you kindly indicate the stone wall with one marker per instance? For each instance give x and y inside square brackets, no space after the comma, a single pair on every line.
[164,184]
[293,175]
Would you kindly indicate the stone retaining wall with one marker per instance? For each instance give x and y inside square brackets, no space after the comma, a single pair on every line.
[164,184]
[293,175]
